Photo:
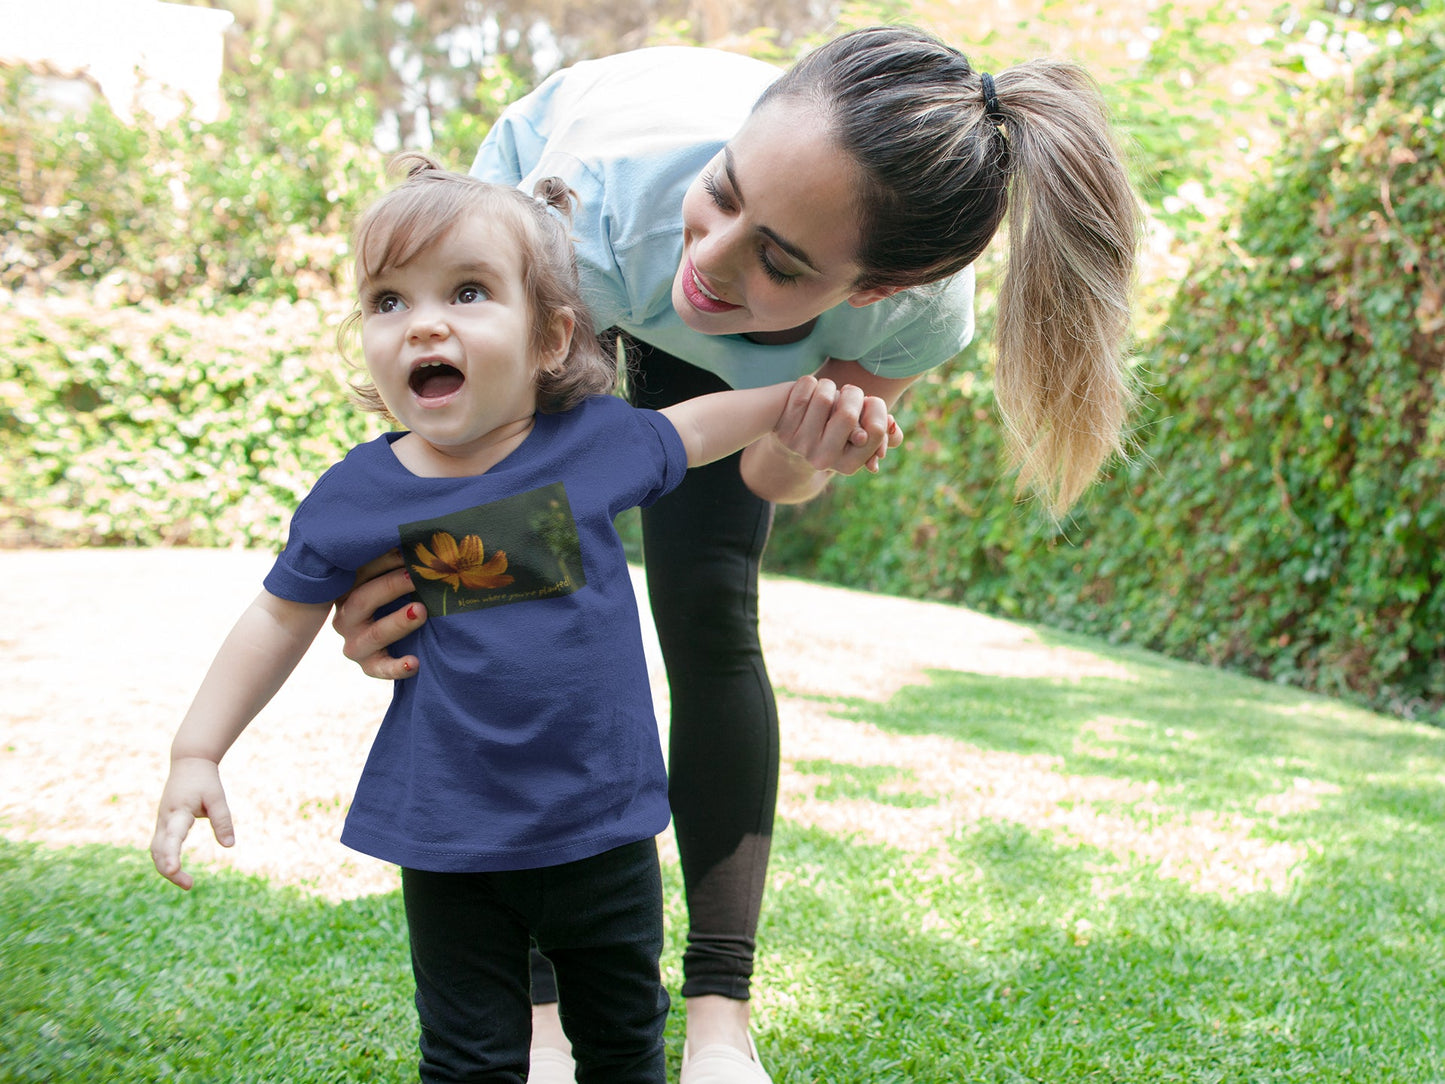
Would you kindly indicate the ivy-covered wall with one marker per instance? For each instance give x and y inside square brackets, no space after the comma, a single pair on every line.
[1285,511]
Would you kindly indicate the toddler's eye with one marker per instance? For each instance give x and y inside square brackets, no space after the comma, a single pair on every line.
[385,303]
[471,294]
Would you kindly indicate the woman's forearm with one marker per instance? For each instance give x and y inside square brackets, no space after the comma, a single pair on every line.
[776,473]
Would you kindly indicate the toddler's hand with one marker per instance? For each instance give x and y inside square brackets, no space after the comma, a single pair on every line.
[193,790]
[837,428]
[892,438]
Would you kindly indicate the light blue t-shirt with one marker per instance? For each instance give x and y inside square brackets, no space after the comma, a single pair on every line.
[629,133]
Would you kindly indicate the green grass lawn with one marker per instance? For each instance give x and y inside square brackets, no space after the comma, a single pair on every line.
[1008,952]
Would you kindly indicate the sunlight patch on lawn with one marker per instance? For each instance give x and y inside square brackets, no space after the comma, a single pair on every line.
[1303,796]
[831,641]
[1211,852]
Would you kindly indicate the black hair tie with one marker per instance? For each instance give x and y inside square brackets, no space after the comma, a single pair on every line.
[990,100]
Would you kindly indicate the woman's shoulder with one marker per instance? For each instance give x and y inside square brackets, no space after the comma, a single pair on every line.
[946,303]
[646,103]
[654,65]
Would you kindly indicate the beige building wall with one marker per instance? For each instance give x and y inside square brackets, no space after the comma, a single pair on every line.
[143,54]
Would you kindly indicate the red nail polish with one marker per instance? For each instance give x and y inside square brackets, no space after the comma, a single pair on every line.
[411,614]
[406,665]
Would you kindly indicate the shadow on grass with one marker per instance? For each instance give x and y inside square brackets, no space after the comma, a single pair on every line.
[110,974]
[1010,958]
[1007,955]
[1024,955]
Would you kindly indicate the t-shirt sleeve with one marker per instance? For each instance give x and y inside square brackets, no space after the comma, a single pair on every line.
[302,572]
[632,454]
[515,141]
[671,450]
[934,323]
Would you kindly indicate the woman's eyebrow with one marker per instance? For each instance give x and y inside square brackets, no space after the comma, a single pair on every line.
[795,251]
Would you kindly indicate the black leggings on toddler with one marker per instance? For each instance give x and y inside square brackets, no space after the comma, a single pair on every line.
[599,920]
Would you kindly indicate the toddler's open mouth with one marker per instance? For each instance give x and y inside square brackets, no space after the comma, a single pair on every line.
[435,380]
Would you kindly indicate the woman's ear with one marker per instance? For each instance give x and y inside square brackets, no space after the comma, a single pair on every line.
[864,298]
[557,342]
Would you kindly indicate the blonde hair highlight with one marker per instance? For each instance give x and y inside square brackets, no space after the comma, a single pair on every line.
[1062,375]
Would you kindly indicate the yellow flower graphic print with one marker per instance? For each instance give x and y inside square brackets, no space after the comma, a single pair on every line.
[461,564]
[531,551]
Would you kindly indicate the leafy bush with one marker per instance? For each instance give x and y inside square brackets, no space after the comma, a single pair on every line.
[1284,515]
[145,425]
[258,203]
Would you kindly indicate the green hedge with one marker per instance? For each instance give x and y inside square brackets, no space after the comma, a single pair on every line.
[171,374]
[1285,514]
[257,203]
[165,425]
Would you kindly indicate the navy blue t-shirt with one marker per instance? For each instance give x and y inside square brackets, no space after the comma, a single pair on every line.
[527,737]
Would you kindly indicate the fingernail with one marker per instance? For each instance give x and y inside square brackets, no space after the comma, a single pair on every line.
[407,573]
[411,613]
[406,665]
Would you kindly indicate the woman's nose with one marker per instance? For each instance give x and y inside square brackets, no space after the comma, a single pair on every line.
[718,254]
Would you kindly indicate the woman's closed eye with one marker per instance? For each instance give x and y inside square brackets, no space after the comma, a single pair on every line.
[715,193]
[776,274]
[724,203]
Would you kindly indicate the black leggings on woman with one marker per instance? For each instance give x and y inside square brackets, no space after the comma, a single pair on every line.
[702,546]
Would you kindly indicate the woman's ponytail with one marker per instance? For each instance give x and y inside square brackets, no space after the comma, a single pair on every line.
[1061,373]
[947,155]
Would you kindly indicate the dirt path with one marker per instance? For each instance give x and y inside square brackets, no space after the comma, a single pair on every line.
[106,647]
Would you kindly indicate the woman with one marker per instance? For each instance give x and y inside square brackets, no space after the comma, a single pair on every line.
[740,227]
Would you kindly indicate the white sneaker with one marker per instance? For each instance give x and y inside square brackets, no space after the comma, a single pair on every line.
[551,1066]
[721,1064]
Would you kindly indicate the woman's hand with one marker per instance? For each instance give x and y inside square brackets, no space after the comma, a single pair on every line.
[367,638]
[840,429]
[827,428]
